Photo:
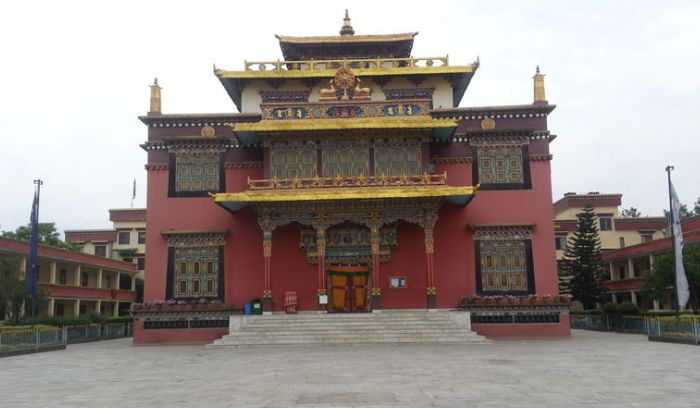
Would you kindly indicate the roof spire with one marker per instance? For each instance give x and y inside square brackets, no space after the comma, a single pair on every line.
[347,29]
[539,97]
[155,98]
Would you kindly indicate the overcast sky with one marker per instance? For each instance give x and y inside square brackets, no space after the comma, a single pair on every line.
[625,76]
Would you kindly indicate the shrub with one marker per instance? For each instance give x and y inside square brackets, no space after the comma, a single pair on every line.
[610,308]
[627,308]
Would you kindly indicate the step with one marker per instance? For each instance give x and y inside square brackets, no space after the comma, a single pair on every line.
[364,328]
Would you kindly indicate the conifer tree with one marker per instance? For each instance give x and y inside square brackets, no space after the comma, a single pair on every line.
[582,269]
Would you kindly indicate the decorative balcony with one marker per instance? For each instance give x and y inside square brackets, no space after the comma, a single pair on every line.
[339,181]
[337,110]
[321,65]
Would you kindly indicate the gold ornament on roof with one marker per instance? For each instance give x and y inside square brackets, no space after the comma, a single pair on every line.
[488,124]
[344,86]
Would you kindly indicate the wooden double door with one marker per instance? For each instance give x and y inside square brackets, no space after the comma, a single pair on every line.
[349,290]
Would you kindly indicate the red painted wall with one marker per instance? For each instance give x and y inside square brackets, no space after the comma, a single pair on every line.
[525,331]
[176,336]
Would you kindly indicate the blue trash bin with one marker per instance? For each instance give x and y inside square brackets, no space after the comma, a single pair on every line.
[248,309]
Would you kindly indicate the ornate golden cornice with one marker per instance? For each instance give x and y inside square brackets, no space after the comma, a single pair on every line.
[156,167]
[451,160]
[244,165]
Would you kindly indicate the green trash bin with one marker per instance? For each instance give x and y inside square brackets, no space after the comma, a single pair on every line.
[257,306]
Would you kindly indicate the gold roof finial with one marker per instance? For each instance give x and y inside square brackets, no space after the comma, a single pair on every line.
[539,87]
[347,29]
[155,98]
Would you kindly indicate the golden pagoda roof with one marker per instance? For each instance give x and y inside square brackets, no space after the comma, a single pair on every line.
[401,122]
[236,201]
[366,38]
[250,132]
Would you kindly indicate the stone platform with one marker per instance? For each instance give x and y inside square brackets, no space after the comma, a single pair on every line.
[358,328]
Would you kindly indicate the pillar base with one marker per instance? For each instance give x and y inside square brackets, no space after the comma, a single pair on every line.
[431,300]
[376,302]
[267,304]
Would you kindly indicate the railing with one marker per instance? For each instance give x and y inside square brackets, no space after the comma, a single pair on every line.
[658,329]
[339,181]
[675,330]
[368,63]
[32,340]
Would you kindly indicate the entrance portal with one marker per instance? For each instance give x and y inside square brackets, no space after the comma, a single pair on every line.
[349,288]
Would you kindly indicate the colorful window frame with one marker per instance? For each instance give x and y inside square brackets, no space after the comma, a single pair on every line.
[196,175]
[294,161]
[195,272]
[501,167]
[350,161]
[504,267]
[398,160]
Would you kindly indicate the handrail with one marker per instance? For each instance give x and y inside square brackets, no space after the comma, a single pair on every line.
[340,181]
[364,63]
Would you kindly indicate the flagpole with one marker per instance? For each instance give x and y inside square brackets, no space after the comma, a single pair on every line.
[33,255]
[670,168]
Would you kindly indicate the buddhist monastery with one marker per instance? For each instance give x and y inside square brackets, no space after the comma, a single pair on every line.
[351,182]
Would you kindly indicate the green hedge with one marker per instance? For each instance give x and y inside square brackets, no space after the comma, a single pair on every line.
[90,318]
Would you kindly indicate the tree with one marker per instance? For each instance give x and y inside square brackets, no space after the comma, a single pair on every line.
[662,278]
[14,291]
[582,269]
[696,207]
[47,235]
[630,212]
[684,212]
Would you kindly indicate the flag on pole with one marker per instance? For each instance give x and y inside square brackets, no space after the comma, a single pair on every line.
[33,241]
[133,191]
[681,280]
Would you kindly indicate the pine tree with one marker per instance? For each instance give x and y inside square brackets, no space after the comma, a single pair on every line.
[582,269]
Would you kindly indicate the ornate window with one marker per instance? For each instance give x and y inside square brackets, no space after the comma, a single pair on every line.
[504,261]
[501,165]
[196,170]
[397,159]
[195,265]
[346,161]
[293,161]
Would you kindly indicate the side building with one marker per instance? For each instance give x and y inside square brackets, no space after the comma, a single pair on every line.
[628,265]
[614,230]
[76,283]
[125,241]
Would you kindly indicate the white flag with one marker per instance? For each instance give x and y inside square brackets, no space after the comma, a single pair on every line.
[681,280]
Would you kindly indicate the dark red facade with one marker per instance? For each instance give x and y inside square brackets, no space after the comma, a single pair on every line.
[447,260]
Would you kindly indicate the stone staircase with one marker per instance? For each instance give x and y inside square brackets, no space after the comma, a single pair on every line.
[360,328]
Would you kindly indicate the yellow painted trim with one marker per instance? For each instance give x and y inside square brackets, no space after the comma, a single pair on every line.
[343,193]
[347,38]
[400,122]
[329,73]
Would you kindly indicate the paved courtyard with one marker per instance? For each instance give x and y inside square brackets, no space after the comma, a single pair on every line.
[591,369]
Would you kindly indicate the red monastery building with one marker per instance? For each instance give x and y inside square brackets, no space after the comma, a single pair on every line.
[352,179]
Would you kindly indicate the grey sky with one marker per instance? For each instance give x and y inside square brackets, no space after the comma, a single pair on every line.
[75,74]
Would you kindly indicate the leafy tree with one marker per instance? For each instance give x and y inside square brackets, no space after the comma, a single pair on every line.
[14,291]
[630,212]
[684,213]
[662,278]
[47,235]
[696,207]
[582,269]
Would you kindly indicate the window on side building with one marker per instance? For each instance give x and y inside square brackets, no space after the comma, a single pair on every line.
[141,263]
[124,237]
[605,223]
[101,250]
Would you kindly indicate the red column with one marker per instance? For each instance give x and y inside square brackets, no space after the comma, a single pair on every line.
[431,292]
[376,281]
[267,254]
[321,252]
